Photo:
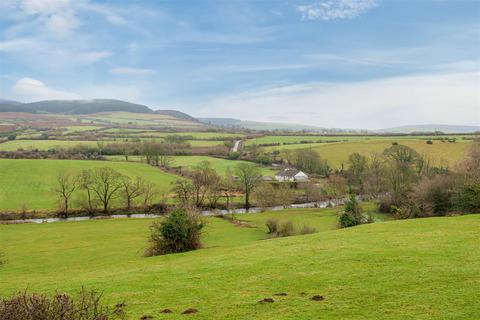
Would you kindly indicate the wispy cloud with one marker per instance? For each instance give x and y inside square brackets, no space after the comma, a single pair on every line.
[328,10]
[373,104]
[132,71]
[28,89]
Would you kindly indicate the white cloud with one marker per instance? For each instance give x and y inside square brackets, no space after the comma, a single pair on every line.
[452,98]
[131,71]
[28,89]
[58,17]
[328,10]
[93,56]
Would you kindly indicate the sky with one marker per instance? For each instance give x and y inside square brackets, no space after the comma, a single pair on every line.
[330,63]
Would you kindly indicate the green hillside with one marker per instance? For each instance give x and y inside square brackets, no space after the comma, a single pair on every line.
[30,182]
[409,269]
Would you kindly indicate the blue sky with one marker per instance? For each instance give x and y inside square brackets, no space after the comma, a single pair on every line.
[334,63]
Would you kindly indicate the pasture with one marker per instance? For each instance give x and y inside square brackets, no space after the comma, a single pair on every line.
[409,269]
[43,144]
[338,153]
[31,182]
[189,162]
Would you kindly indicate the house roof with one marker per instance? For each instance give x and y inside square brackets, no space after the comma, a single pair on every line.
[288,172]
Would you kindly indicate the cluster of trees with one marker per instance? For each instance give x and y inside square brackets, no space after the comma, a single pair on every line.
[101,186]
[412,186]
[205,186]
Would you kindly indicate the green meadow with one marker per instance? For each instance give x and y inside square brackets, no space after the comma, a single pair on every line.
[43,144]
[189,162]
[408,269]
[30,182]
[337,153]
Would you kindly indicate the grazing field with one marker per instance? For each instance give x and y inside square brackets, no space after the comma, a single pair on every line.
[195,135]
[30,182]
[322,139]
[141,119]
[43,144]
[189,162]
[338,153]
[73,129]
[409,269]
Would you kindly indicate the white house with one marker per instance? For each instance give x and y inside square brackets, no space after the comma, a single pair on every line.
[291,174]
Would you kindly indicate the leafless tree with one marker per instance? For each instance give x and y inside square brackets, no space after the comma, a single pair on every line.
[132,189]
[66,185]
[105,184]
[249,177]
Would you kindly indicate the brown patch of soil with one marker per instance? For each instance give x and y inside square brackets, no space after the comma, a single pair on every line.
[281,294]
[166,311]
[318,298]
[190,311]
[266,300]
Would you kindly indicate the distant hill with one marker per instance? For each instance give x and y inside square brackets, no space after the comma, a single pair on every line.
[257,125]
[176,114]
[86,107]
[75,106]
[271,126]
[432,128]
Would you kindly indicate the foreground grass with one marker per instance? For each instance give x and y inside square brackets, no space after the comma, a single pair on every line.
[31,182]
[410,269]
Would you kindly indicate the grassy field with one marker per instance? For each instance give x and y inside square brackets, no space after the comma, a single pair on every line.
[319,138]
[408,269]
[338,153]
[189,162]
[42,144]
[72,129]
[30,182]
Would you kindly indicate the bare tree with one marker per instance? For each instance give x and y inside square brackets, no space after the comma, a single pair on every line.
[204,178]
[149,192]
[85,183]
[132,189]
[66,185]
[249,177]
[106,183]
[184,190]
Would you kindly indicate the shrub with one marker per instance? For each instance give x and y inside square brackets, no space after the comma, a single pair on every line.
[307,230]
[286,229]
[429,142]
[179,232]
[61,306]
[467,198]
[234,155]
[352,215]
[272,226]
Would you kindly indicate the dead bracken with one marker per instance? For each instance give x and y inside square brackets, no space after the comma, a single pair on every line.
[318,298]
[190,311]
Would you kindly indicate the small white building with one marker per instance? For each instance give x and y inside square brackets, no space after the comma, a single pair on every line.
[292,175]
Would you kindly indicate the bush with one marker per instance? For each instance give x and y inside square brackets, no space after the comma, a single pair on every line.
[234,155]
[429,142]
[352,215]
[33,306]
[307,230]
[467,198]
[286,229]
[272,226]
[179,232]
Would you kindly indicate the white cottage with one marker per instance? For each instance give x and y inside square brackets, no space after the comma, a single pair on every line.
[291,174]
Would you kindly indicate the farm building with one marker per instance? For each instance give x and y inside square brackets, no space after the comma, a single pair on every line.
[291,174]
